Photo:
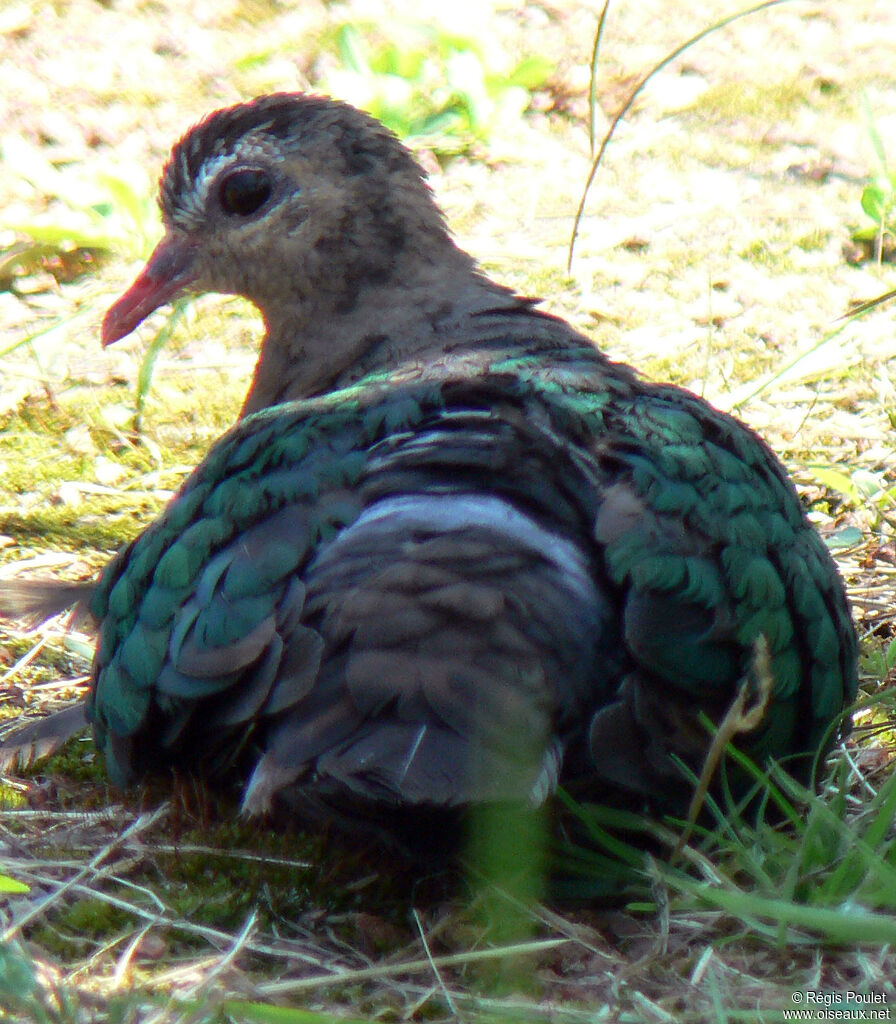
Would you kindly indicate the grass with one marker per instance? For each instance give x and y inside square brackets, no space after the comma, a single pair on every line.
[708,253]
[431,87]
[825,879]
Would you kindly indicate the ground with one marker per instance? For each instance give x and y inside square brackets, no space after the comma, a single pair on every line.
[715,250]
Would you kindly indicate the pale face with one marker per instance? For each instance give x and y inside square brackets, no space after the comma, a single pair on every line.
[294,202]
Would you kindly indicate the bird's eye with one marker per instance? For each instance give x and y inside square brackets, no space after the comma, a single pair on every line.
[245,191]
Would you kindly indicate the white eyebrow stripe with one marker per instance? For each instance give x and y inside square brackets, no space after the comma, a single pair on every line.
[191,206]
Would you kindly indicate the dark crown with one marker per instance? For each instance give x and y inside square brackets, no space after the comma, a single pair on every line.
[293,122]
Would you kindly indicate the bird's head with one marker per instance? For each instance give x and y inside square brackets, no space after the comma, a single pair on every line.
[296,202]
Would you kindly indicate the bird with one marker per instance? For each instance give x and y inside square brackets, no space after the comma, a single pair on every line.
[450,554]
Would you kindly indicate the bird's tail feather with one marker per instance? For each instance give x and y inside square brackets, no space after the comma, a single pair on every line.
[21,747]
[40,599]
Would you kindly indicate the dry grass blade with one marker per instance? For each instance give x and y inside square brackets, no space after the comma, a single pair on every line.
[592,90]
[633,95]
[344,977]
[866,307]
[145,821]
[241,942]
[738,718]
[435,969]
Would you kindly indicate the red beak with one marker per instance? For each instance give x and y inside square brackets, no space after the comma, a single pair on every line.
[168,273]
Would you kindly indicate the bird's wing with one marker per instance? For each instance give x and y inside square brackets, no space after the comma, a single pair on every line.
[705,536]
[390,593]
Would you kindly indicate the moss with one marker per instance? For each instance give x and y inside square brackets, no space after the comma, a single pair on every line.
[534,280]
[814,241]
[209,866]
[11,798]
[252,13]
[69,528]
[92,917]
[40,455]
[765,101]
[764,253]
[76,762]
[77,928]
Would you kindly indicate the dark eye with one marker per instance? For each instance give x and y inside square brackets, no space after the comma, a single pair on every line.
[245,191]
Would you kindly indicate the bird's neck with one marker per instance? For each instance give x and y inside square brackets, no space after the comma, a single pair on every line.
[427,310]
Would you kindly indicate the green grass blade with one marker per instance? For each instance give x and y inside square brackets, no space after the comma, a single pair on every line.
[849,925]
[10,885]
[265,1013]
[874,135]
[147,364]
